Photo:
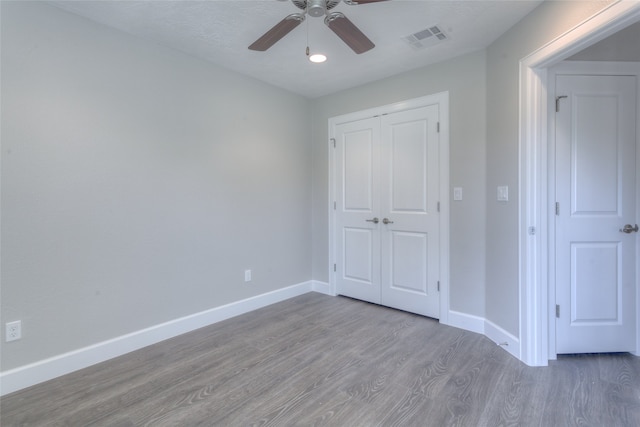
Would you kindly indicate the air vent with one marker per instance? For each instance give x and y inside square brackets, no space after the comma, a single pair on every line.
[427,37]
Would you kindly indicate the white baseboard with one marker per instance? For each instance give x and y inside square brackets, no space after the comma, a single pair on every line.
[468,322]
[503,338]
[322,287]
[489,329]
[44,370]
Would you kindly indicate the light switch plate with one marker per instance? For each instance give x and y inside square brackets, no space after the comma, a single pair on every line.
[503,193]
[457,193]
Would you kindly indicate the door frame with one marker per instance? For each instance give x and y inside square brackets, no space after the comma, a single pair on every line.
[442,100]
[579,68]
[533,236]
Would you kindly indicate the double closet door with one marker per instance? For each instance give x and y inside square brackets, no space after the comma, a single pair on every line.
[387,225]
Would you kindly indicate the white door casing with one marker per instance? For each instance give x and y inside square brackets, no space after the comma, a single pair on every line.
[595,265]
[393,148]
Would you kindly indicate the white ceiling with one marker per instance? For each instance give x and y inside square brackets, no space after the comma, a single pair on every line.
[219,31]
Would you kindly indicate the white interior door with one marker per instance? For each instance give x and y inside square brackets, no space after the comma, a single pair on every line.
[409,201]
[357,204]
[596,197]
[386,213]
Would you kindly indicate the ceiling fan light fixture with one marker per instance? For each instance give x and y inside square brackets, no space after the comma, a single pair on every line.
[317,58]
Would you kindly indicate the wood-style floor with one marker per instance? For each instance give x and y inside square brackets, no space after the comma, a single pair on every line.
[333,361]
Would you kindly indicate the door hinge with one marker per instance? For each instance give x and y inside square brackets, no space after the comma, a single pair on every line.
[557,311]
[438,286]
[438,127]
[334,267]
[334,206]
[558,98]
[333,141]
[438,207]
[557,208]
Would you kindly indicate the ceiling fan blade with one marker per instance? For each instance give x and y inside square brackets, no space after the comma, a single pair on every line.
[348,32]
[280,30]
[357,2]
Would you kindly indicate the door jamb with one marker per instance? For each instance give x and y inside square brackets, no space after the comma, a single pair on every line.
[533,166]
[442,100]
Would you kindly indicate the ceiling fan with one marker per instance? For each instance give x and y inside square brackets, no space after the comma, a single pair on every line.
[336,21]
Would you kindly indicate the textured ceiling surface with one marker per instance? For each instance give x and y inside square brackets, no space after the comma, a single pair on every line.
[219,31]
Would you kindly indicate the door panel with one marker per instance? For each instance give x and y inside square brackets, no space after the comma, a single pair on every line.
[358,170]
[596,193]
[410,243]
[596,288]
[357,247]
[408,171]
[408,269]
[594,158]
[357,239]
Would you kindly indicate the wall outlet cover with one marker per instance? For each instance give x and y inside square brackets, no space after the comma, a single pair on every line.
[13,331]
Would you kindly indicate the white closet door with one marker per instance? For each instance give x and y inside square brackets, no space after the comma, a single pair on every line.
[409,199]
[387,221]
[358,203]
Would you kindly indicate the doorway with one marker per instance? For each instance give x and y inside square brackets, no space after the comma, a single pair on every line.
[537,339]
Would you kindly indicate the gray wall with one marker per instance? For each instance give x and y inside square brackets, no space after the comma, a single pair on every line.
[138,184]
[464,77]
[622,46]
[550,20]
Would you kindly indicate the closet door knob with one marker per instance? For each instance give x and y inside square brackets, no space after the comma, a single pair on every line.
[374,220]
[387,221]
[628,228]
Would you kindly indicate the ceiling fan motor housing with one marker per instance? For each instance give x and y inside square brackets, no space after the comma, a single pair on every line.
[316,8]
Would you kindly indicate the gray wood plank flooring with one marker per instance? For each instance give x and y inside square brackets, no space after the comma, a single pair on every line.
[317,360]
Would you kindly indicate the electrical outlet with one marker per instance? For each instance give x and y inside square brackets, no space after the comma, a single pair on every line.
[13,331]
[247,275]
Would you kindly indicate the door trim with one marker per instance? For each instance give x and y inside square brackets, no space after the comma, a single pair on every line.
[442,100]
[533,173]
